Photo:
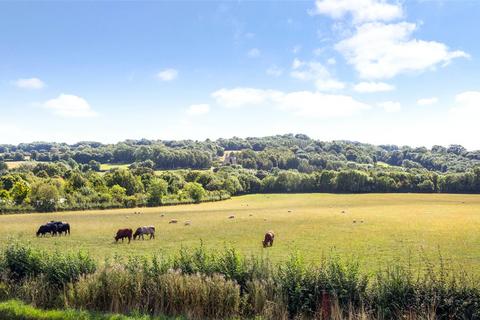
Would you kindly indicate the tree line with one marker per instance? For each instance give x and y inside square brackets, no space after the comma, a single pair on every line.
[281,151]
[68,185]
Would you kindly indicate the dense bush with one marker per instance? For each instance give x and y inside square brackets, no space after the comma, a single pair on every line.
[199,284]
[21,261]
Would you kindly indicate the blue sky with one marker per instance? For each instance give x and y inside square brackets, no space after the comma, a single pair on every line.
[365,70]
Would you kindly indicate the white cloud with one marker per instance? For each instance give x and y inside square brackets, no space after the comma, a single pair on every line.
[370,87]
[360,10]
[467,106]
[168,74]
[30,83]
[316,72]
[427,101]
[301,103]
[390,106]
[198,109]
[329,85]
[254,53]
[331,61]
[321,105]
[241,97]
[382,51]
[70,106]
[274,71]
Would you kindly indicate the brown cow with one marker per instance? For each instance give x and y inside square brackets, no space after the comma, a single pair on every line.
[268,239]
[124,233]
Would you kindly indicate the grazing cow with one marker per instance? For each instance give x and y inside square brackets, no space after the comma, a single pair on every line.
[124,233]
[231,217]
[47,228]
[268,239]
[141,231]
[188,222]
[61,227]
[173,221]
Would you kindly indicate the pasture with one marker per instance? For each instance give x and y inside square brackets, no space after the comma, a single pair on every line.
[376,229]
[16,164]
[110,166]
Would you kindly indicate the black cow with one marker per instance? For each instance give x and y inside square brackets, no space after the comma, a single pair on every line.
[61,227]
[47,228]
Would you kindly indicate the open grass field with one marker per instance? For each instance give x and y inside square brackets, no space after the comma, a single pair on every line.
[110,166]
[16,164]
[396,227]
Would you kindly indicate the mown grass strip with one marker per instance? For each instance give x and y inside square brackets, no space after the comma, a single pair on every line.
[17,310]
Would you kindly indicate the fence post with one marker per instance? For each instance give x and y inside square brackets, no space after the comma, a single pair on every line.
[326,305]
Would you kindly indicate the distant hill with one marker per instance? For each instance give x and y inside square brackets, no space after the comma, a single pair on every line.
[287,151]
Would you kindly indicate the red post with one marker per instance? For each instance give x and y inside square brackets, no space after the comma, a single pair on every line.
[326,305]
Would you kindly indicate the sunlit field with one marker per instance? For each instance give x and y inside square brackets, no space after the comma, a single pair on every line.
[374,228]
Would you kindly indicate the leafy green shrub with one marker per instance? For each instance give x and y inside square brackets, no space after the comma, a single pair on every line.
[61,269]
[205,284]
[22,261]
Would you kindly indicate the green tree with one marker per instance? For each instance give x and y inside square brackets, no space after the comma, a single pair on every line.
[156,191]
[118,193]
[45,196]
[94,165]
[20,191]
[426,186]
[4,196]
[77,181]
[9,180]
[125,179]
[195,191]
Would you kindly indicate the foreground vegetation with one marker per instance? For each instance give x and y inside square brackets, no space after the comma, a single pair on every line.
[200,284]
[132,174]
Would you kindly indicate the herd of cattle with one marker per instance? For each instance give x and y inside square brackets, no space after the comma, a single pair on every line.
[59,228]
[53,228]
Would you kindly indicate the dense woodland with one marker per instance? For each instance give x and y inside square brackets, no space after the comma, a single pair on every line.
[58,176]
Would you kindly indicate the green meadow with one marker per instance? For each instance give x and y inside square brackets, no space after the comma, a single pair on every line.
[375,229]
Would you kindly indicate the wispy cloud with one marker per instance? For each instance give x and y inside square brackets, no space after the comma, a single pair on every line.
[69,106]
[301,103]
[254,53]
[316,72]
[168,74]
[390,106]
[360,10]
[244,97]
[371,87]
[198,109]
[274,71]
[29,83]
[467,106]
[427,101]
